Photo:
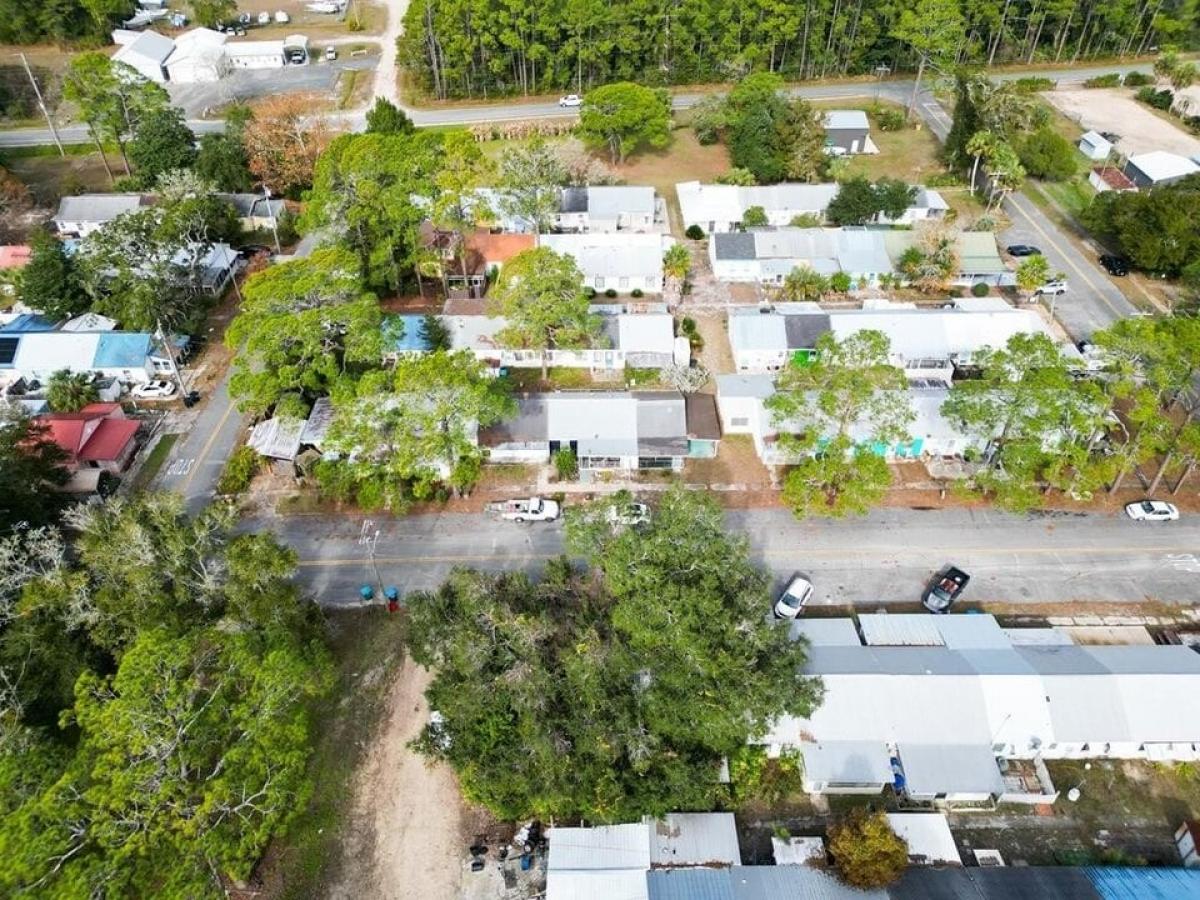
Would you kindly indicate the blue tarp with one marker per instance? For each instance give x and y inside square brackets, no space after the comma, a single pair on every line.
[121,350]
[27,322]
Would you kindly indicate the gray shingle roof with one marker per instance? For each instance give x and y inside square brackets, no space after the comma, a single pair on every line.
[735,245]
[803,330]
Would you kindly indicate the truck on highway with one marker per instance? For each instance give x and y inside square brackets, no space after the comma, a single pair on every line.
[531,509]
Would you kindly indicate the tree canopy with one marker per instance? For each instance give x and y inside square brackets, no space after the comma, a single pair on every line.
[68,391]
[50,281]
[614,692]
[162,142]
[283,141]
[867,852]
[624,116]
[31,465]
[858,201]
[771,136]
[1155,229]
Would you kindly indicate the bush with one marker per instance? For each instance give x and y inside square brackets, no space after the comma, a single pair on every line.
[889,118]
[1138,79]
[979,289]
[1047,154]
[1111,80]
[589,292]
[610,293]
[239,471]
[636,292]
[566,465]
[839,282]
[694,233]
[865,849]
[1158,99]
[806,220]
[754,217]
[943,179]
[1034,85]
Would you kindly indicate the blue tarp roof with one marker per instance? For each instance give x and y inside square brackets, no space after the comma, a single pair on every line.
[118,349]
[412,340]
[27,322]
[1128,883]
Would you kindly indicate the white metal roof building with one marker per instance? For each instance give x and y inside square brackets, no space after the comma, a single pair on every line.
[85,213]
[1159,167]
[942,698]
[767,256]
[147,54]
[622,262]
[928,836]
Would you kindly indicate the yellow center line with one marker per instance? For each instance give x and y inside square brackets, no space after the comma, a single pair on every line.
[212,439]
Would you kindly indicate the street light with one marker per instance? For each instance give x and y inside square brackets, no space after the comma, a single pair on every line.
[881,72]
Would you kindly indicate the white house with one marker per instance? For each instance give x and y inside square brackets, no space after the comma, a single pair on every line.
[129,357]
[847,131]
[607,209]
[1109,178]
[84,214]
[636,340]
[622,262]
[198,57]
[767,256]
[742,405]
[619,430]
[926,343]
[1095,146]
[1158,167]
[957,709]
[147,54]
[719,208]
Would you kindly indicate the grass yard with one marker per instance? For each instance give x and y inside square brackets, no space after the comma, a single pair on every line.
[50,176]
[362,17]
[910,154]
[686,159]
[1117,791]
[153,462]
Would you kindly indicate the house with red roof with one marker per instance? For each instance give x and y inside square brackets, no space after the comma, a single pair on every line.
[14,256]
[98,438]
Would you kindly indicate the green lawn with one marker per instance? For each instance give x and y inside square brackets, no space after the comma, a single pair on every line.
[910,154]
[153,462]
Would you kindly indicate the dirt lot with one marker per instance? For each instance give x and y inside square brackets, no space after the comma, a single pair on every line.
[1116,111]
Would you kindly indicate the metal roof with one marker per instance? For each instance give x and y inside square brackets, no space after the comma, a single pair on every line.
[121,350]
[689,884]
[646,333]
[694,839]
[1143,883]
[944,768]
[1002,883]
[825,632]
[846,118]
[1160,165]
[885,629]
[757,386]
[607,200]
[756,331]
[928,837]
[601,847]
[792,883]
[846,762]
[623,254]
[150,45]
[95,208]
[53,350]
[599,884]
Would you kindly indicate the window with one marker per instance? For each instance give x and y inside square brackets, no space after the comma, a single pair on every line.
[623,283]
[599,283]
[739,422]
[600,462]
[656,462]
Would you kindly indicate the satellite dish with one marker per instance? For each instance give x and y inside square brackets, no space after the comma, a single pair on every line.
[1073,794]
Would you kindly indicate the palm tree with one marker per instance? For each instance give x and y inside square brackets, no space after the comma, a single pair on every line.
[980,145]
[1006,171]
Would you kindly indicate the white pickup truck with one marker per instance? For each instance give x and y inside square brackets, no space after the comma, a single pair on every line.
[533,509]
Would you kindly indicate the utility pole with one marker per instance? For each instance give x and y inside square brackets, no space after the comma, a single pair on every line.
[42,106]
[166,342]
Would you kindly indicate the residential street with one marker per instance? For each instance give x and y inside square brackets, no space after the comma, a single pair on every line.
[883,558]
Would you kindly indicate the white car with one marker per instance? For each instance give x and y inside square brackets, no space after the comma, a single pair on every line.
[570,100]
[331,53]
[1152,511]
[794,597]
[629,514]
[1055,287]
[264,18]
[153,390]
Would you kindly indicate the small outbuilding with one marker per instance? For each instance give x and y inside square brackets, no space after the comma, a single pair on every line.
[1094,145]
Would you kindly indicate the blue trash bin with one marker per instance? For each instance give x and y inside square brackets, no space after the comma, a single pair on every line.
[367,592]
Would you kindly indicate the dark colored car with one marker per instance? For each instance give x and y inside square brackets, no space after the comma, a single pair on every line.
[1023,250]
[1114,265]
[945,589]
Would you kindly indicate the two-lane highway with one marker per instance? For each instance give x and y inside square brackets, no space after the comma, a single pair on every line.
[883,558]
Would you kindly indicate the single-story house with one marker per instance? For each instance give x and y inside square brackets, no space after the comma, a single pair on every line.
[256,211]
[719,208]
[607,208]
[767,256]
[147,54]
[98,437]
[216,266]
[979,257]
[926,343]
[83,214]
[847,131]
[928,837]
[615,860]
[634,340]
[1158,167]
[622,262]
[957,709]
[129,357]
[1109,178]
[485,254]
[742,403]
[606,430]
[1095,146]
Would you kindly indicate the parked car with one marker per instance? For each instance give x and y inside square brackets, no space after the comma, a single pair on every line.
[629,514]
[331,53]
[1152,511]
[153,390]
[1055,287]
[1023,250]
[264,18]
[945,588]
[282,18]
[532,509]
[794,598]
[1114,265]
[570,100]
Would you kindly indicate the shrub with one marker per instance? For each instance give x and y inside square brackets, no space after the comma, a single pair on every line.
[610,293]
[1034,84]
[636,292]
[806,220]
[889,118]
[943,179]
[1138,79]
[839,282]
[1111,80]
[239,471]
[1158,99]
[866,851]
[694,233]
[566,465]
[589,292]
[979,289]
[1047,154]
[754,217]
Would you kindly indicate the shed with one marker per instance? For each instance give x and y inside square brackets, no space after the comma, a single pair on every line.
[848,131]
[694,839]
[1107,178]
[147,55]
[277,438]
[928,836]
[1094,145]
[1158,167]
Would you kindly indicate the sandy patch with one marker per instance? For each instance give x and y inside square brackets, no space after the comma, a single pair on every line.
[407,822]
[1116,111]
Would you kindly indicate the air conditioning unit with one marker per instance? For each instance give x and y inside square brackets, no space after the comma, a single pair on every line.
[988,858]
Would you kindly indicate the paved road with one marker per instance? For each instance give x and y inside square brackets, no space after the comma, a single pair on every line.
[883,558]
[199,455]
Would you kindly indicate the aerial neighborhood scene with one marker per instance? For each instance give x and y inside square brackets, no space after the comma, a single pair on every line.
[627,451]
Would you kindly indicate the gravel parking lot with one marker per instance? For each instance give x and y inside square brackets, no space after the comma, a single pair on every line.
[1115,110]
[318,77]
